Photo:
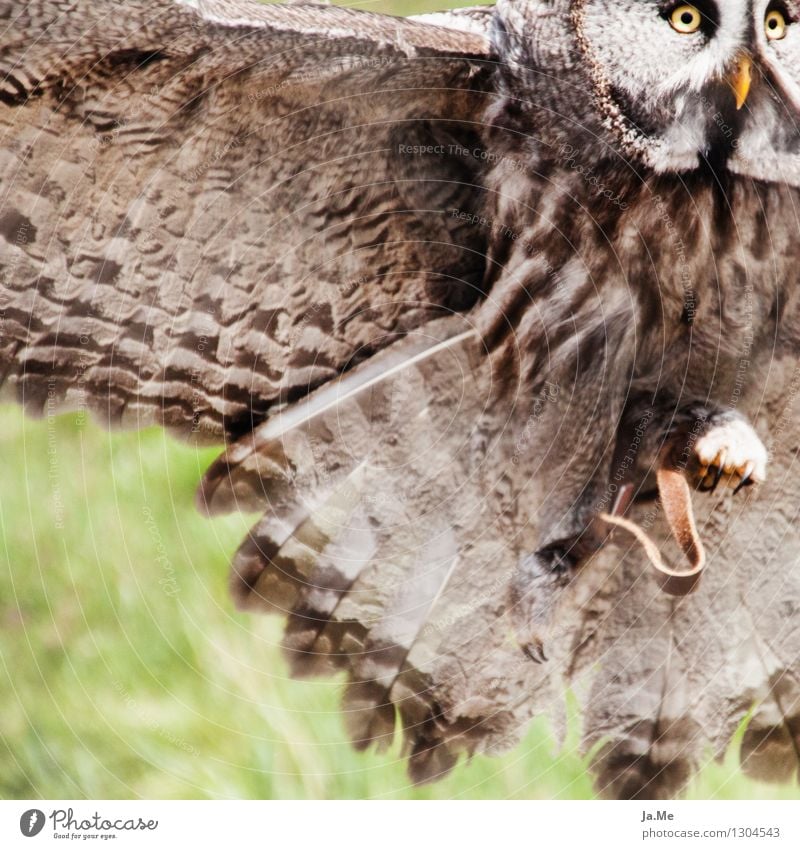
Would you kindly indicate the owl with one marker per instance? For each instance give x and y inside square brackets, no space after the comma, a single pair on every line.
[495,315]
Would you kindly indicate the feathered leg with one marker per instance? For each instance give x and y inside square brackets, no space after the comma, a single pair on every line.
[707,444]
[577,449]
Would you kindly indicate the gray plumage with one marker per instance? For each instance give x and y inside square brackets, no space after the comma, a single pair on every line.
[443,286]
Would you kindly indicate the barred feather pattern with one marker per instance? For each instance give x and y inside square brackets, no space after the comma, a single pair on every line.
[195,227]
[396,571]
[208,223]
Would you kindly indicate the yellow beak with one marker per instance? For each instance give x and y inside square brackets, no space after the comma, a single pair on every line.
[740,79]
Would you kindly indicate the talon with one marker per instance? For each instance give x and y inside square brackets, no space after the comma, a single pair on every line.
[747,478]
[719,473]
[535,652]
[729,449]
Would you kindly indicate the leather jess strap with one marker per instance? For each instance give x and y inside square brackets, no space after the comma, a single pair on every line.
[676,499]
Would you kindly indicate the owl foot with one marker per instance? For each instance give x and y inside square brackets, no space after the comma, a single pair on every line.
[540,579]
[729,450]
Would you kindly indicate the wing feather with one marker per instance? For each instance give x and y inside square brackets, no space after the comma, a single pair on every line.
[210,210]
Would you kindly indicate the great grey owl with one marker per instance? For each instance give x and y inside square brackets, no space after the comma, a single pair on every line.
[460,294]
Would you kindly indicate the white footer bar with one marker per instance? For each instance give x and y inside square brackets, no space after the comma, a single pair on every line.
[400,825]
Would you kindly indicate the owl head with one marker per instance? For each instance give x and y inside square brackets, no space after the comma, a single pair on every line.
[672,85]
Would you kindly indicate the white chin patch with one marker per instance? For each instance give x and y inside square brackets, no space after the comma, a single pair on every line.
[771,169]
[671,154]
[670,162]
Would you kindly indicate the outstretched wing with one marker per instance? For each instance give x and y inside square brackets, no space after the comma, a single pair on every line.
[397,505]
[208,210]
[211,207]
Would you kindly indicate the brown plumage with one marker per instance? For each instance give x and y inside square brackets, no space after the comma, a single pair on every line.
[440,306]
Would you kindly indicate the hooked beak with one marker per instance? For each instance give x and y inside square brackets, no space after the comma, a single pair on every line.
[741,78]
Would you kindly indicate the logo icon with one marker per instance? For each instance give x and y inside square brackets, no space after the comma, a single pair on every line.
[31,822]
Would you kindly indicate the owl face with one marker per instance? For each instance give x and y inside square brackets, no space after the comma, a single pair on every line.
[682,83]
[678,84]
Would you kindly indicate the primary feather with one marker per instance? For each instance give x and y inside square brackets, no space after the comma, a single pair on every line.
[201,227]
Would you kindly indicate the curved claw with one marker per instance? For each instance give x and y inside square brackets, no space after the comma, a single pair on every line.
[747,478]
[535,652]
[729,450]
[720,471]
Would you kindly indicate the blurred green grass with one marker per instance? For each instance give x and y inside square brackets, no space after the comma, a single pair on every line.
[127,673]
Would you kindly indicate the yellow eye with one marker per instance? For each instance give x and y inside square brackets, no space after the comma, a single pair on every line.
[685,18]
[775,25]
